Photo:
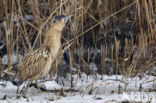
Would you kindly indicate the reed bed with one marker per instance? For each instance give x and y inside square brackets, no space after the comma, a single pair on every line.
[119,37]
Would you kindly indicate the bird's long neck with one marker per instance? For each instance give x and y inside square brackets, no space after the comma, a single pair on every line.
[52,40]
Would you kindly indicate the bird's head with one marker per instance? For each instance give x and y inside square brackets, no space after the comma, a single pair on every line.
[59,22]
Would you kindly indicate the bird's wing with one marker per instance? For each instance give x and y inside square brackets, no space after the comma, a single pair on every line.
[33,63]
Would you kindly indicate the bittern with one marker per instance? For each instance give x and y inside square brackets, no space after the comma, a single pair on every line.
[36,64]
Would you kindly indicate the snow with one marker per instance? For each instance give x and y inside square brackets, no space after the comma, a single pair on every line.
[14,59]
[29,17]
[91,89]
[2,44]
[51,85]
[92,66]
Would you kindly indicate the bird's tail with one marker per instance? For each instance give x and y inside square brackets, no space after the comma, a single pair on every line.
[13,77]
[7,72]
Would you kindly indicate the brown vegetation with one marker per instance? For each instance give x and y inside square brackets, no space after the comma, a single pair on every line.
[124,31]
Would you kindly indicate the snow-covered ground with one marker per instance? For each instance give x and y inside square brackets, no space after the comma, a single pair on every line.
[91,89]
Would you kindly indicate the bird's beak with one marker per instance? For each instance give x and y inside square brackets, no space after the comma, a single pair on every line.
[66,19]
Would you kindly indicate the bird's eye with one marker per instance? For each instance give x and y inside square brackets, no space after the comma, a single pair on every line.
[54,21]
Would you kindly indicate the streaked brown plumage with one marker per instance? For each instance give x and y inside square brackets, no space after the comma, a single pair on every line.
[36,64]
[32,64]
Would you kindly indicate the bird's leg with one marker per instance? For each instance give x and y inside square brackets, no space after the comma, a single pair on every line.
[39,90]
[27,86]
[25,89]
[17,90]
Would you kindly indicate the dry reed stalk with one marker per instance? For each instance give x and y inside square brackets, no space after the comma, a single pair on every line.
[88,17]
